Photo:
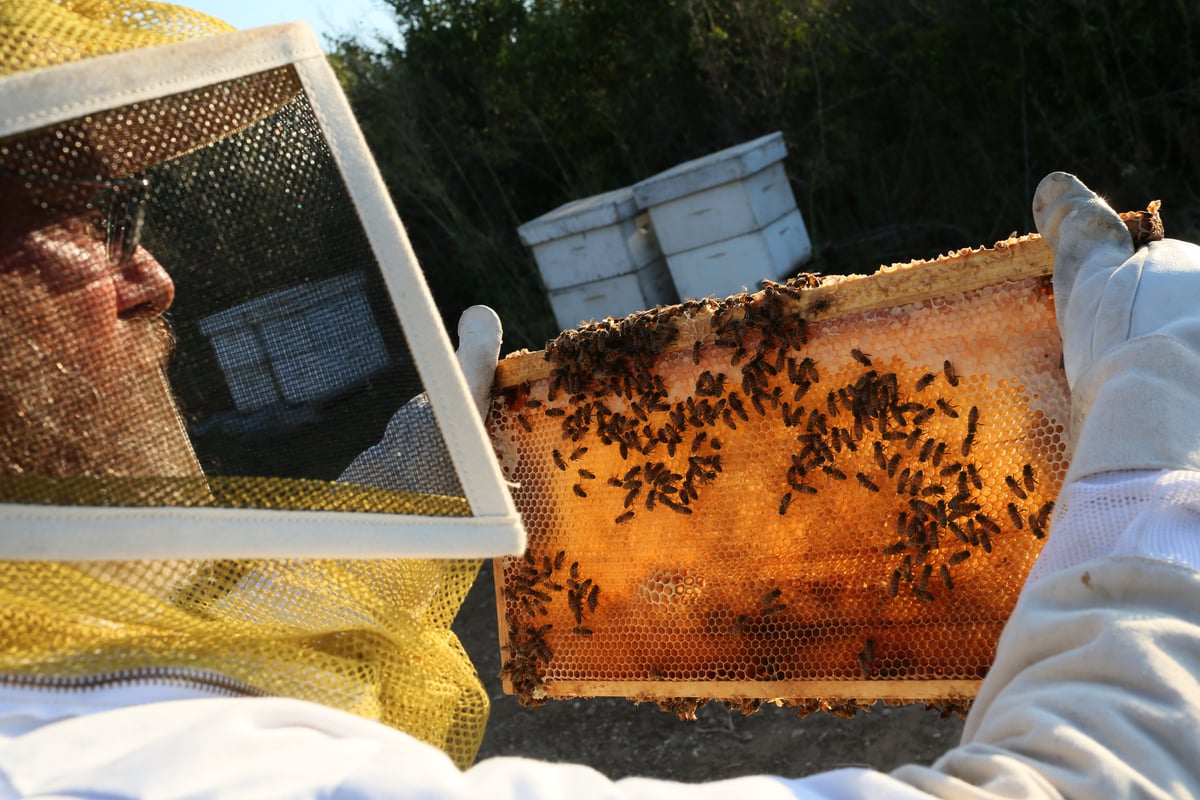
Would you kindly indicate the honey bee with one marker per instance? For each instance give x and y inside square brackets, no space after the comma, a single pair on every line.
[880,457]
[1014,514]
[1044,513]
[556,412]
[866,482]
[1027,477]
[579,490]
[524,422]
[987,523]
[866,658]
[946,579]
[959,557]
[582,631]
[558,460]
[927,449]
[834,472]
[972,419]
[1015,486]
[631,495]
[593,598]
[735,403]
[624,517]
[678,508]
[861,357]
[912,439]
[894,583]
[939,453]
[698,440]
[696,352]
[947,408]
[924,381]
[587,474]
[951,375]
[895,549]
[893,463]
[784,502]
[967,443]
[973,474]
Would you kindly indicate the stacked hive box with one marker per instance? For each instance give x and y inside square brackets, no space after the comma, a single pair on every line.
[727,220]
[598,258]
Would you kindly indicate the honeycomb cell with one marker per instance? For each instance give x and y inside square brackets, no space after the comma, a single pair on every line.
[779,494]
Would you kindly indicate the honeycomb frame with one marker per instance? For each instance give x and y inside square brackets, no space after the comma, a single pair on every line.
[822,494]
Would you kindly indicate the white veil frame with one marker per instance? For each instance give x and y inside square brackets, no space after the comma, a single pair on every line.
[35,99]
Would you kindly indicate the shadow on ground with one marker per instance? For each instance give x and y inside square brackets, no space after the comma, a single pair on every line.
[620,739]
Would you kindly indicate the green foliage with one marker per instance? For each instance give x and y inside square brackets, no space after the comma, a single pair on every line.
[913,127]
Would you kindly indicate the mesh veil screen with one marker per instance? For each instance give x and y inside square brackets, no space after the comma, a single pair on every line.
[825,493]
[288,363]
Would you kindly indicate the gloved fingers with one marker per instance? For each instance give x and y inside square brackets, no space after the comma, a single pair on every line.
[479,337]
[1080,228]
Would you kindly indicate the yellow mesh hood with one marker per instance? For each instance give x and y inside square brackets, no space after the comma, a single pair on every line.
[42,33]
[369,637]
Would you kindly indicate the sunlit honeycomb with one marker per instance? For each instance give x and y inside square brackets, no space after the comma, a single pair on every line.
[773,498]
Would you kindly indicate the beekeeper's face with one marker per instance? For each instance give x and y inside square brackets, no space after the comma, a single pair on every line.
[83,340]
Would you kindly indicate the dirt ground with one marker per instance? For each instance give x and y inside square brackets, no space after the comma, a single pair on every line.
[620,738]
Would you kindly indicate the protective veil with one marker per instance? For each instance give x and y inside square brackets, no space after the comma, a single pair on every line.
[175,505]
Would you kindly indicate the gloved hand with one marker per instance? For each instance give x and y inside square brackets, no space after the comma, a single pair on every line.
[412,456]
[1130,324]
[479,337]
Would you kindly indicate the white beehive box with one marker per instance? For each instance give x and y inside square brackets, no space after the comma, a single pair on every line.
[267,347]
[727,220]
[598,257]
[734,265]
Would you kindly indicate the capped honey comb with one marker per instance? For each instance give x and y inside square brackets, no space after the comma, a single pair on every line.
[823,494]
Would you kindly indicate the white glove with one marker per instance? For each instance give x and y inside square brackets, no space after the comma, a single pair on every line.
[1130,325]
[479,337]
[412,456]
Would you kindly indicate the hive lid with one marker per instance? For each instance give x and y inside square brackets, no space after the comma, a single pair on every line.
[580,216]
[712,170]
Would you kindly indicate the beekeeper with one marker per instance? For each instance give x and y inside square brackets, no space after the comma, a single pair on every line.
[308,674]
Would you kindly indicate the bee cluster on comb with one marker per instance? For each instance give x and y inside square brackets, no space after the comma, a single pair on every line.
[823,494]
